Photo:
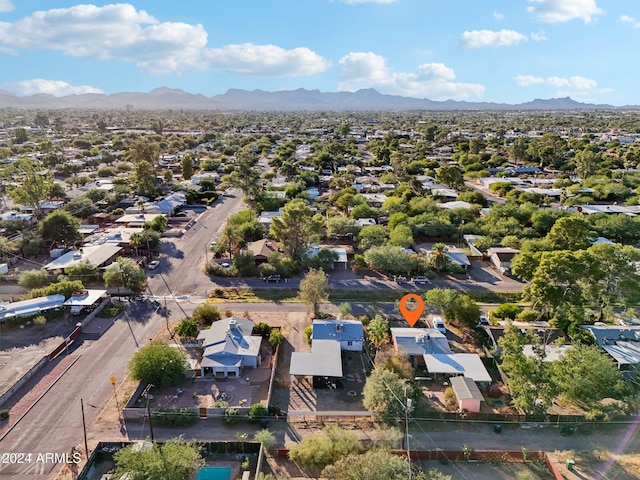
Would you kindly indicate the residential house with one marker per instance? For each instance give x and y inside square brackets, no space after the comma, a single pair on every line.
[262,250]
[622,343]
[229,346]
[348,333]
[97,255]
[501,257]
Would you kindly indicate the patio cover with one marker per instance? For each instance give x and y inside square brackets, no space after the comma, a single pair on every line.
[325,360]
[467,364]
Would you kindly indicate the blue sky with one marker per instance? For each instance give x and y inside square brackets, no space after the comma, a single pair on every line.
[507,51]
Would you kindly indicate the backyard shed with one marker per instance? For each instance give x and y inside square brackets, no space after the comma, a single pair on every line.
[467,393]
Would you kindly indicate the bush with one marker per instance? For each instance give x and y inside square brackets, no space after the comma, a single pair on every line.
[205,314]
[506,310]
[527,315]
[34,279]
[40,320]
[275,337]
[262,329]
[4,414]
[215,270]
[266,438]
[111,310]
[450,400]
[187,327]
[308,331]
[174,417]
[257,412]
[231,416]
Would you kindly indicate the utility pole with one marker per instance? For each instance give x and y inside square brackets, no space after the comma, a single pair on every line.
[146,394]
[84,428]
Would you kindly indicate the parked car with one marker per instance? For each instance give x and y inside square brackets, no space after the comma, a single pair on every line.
[420,280]
[438,324]
[484,321]
[225,265]
[153,264]
[181,214]
[273,278]
[401,279]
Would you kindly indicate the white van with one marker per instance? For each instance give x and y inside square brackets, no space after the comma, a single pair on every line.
[438,324]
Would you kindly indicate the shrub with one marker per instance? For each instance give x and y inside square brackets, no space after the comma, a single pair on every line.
[506,310]
[308,331]
[174,417]
[262,329]
[4,414]
[111,310]
[257,412]
[34,279]
[40,320]
[187,327]
[275,337]
[216,270]
[231,416]
[266,438]
[450,399]
[527,315]
[205,314]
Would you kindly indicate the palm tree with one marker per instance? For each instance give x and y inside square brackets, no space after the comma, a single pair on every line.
[231,239]
[378,331]
[439,256]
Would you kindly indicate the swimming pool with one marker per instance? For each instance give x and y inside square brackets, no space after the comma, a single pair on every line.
[214,473]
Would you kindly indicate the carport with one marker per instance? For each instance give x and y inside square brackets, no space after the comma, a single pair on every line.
[325,360]
[467,364]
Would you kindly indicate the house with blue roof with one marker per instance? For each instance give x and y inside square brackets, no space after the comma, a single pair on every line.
[349,333]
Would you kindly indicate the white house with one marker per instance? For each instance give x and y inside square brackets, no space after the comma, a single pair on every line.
[348,332]
[229,346]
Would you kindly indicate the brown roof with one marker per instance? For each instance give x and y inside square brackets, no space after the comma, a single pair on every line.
[262,249]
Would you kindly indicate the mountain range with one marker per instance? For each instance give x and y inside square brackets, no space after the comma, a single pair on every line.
[287,100]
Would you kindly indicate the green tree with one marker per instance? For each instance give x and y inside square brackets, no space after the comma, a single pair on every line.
[341,227]
[20,136]
[205,314]
[314,289]
[125,273]
[174,459]
[570,233]
[317,451]
[466,311]
[375,464]
[34,185]
[266,438]
[585,374]
[378,331]
[60,226]
[83,270]
[450,175]
[372,236]
[297,228]
[530,380]
[158,364]
[390,260]
[187,327]
[158,224]
[142,150]
[384,394]
[401,236]
[186,165]
[81,207]
[144,179]
[443,299]
[246,175]
[34,278]
[438,256]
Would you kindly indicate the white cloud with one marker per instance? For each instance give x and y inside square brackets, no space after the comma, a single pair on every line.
[57,88]
[252,59]
[557,11]
[538,37]
[6,6]
[432,80]
[628,19]
[489,38]
[497,15]
[121,32]
[575,82]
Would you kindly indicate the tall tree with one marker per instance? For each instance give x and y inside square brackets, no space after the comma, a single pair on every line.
[125,273]
[570,233]
[34,185]
[297,228]
[142,150]
[246,175]
[384,394]
[186,164]
[60,226]
[378,331]
[144,178]
[158,364]
[450,175]
[314,289]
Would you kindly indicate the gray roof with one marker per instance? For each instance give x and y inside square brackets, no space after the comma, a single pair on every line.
[97,255]
[466,389]
[622,343]
[325,360]
[341,330]
[418,341]
[227,341]
[468,364]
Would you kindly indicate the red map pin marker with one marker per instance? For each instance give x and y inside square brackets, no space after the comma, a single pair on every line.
[411,316]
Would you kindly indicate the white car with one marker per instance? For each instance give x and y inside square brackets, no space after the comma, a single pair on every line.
[153,265]
[438,324]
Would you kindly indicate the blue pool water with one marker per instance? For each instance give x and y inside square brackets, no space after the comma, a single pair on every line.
[214,473]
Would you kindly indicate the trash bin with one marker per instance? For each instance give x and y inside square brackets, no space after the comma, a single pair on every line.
[497,428]
[569,463]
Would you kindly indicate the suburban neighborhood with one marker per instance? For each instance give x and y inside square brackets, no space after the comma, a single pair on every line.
[223,290]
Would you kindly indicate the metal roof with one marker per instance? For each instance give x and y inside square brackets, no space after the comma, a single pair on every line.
[466,389]
[418,341]
[325,360]
[468,364]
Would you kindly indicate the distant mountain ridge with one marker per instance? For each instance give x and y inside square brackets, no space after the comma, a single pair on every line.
[287,100]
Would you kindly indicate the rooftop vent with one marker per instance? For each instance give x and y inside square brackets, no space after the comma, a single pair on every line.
[339,327]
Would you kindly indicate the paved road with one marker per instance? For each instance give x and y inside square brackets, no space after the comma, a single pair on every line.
[183,259]
[54,424]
